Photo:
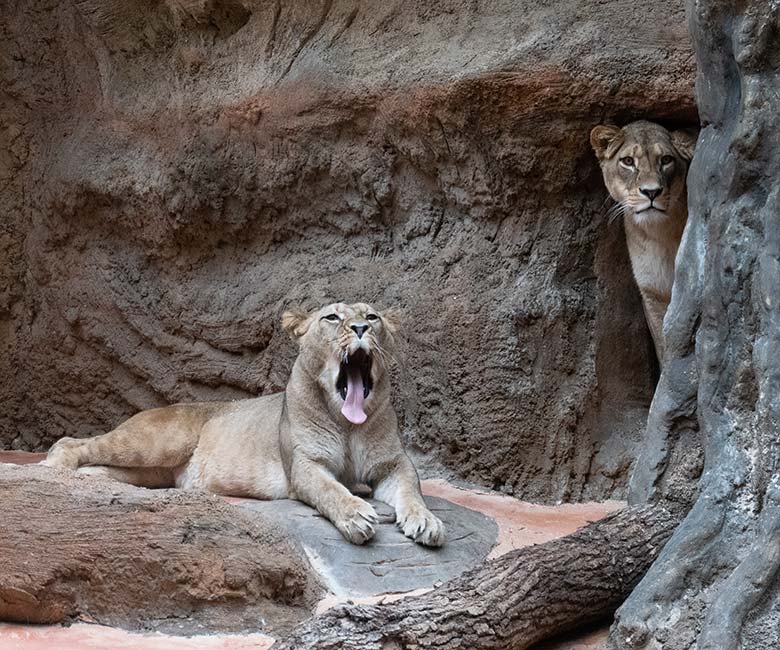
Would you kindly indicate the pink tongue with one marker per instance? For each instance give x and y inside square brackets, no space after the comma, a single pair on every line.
[353,405]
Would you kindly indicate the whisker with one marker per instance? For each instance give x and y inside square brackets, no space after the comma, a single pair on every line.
[619,209]
[383,354]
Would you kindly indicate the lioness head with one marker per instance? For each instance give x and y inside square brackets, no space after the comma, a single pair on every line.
[346,348]
[644,168]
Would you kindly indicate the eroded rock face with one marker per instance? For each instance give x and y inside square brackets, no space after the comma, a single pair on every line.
[177,173]
[77,547]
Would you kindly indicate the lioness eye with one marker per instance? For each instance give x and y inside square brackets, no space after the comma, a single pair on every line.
[628,161]
[667,160]
[331,317]
[372,317]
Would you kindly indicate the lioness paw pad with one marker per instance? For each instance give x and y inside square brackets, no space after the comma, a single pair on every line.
[423,527]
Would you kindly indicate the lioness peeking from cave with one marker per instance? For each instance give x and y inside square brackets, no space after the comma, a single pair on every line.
[645,168]
[333,425]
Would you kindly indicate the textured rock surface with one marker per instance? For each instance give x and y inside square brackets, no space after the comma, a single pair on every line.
[76,546]
[83,547]
[716,585]
[520,524]
[174,174]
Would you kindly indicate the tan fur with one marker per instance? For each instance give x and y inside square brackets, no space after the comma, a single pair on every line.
[643,156]
[294,444]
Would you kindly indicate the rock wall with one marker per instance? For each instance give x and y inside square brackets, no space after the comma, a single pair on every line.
[176,173]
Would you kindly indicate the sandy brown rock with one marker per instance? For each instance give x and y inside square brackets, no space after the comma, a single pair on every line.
[175,174]
[82,547]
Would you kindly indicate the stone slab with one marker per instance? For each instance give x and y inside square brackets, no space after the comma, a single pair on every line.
[391,562]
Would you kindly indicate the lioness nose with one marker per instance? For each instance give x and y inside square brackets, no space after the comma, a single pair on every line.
[651,193]
[359,330]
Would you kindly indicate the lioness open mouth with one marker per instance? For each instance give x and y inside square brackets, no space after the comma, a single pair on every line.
[354,384]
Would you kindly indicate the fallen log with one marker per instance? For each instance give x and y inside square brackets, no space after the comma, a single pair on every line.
[83,547]
[511,602]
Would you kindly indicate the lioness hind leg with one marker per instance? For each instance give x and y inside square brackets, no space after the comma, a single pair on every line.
[148,477]
[160,438]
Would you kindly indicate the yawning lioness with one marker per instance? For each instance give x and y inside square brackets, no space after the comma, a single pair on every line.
[333,425]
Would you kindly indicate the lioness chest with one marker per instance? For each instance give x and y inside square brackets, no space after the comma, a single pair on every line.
[238,452]
[652,261]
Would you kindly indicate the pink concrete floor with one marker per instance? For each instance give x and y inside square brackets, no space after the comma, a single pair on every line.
[20,457]
[82,636]
[520,524]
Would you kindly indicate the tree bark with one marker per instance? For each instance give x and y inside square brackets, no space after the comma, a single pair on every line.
[512,601]
[715,585]
[77,546]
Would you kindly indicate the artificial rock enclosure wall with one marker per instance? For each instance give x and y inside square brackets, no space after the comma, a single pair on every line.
[174,174]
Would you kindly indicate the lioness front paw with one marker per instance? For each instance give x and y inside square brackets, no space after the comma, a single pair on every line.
[357,520]
[422,526]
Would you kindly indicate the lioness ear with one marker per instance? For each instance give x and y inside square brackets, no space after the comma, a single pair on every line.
[684,141]
[295,322]
[605,140]
[392,319]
